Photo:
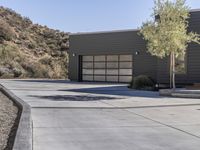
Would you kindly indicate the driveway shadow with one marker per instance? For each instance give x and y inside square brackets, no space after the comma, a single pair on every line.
[63,81]
[117,91]
[45,81]
[74,97]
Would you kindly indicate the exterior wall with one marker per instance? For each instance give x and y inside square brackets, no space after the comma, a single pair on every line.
[193,58]
[73,67]
[129,42]
[125,42]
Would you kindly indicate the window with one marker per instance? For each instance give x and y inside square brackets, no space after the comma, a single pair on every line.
[180,65]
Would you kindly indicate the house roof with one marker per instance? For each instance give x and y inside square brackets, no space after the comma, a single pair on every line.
[102,32]
[194,10]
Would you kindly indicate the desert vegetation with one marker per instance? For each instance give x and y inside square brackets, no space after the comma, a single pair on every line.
[30,50]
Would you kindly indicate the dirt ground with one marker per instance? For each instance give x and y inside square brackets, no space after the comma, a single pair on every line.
[8,115]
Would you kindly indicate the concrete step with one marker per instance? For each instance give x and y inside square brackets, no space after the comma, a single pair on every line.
[186,95]
[187,92]
[182,93]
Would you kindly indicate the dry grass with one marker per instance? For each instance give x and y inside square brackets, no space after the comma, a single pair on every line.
[30,50]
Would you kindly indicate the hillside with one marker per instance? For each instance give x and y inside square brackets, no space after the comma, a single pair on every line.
[30,50]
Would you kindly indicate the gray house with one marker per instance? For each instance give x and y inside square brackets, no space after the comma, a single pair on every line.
[119,56]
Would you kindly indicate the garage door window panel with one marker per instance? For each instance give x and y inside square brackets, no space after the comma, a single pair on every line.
[112,71]
[99,71]
[113,58]
[100,78]
[112,65]
[112,78]
[100,65]
[87,58]
[88,65]
[125,57]
[100,58]
[88,77]
[125,78]
[125,65]
[125,71]
[88,71]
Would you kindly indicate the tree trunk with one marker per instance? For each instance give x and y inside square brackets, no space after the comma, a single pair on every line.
[173,70]
[170,71]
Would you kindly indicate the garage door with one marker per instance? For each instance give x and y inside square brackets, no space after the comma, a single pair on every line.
[110,68]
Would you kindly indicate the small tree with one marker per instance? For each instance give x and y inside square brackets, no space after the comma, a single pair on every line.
[167,33]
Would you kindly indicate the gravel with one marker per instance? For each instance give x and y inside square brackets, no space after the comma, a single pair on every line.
[8,115]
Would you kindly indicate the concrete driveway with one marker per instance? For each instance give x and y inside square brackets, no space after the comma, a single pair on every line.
[88,116]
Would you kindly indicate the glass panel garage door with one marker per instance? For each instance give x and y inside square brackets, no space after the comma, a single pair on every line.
[111,68]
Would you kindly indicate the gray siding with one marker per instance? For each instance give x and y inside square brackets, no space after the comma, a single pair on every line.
[194,51]
[145,64]
[125,42]
[105,43]
[163,70]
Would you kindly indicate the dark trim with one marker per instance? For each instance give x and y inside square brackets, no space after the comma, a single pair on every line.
[133,57]
[80,68]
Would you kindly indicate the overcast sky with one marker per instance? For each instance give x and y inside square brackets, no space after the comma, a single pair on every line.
[87,15]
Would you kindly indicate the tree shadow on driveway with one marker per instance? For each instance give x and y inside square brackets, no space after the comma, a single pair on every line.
[61,81]
[74,97]
[105,89]
[116,91]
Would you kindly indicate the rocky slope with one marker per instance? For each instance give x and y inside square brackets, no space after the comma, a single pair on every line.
[30,50]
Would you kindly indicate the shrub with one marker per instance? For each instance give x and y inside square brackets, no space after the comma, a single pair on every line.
[40,71]
[27,20]
[4,70]
[63,46]
[17,72]
[6,32]
[142,82]
[7,76]
[36,70]
[10,53]
[7,53]
[31,45]
[46,60]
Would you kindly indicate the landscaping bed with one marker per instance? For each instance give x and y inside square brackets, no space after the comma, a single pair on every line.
[9,114]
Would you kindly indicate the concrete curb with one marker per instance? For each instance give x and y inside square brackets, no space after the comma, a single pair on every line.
[165,92]
[23,139]
[180,93]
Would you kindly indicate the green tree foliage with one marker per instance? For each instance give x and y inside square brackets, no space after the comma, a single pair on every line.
[167,33]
